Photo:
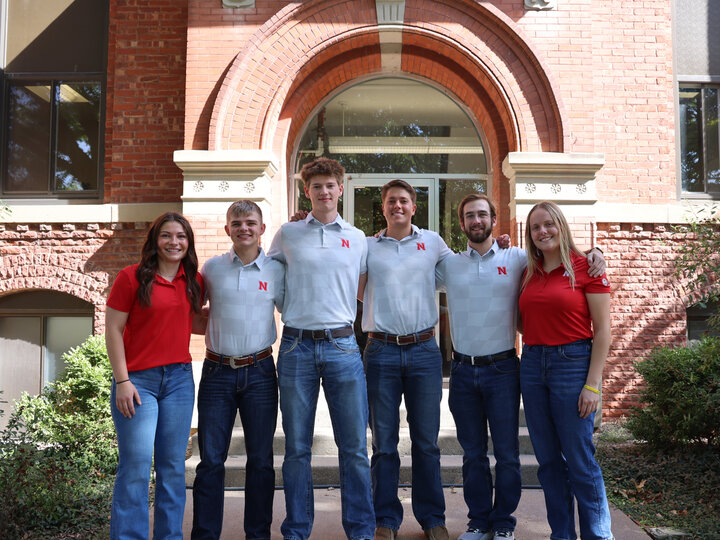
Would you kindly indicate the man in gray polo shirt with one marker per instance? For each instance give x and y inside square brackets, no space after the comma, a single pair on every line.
[243,287]
[482,286]
[324,258]
[402,358]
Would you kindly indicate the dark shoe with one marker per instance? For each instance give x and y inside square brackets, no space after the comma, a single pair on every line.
[384,533]
[437,533]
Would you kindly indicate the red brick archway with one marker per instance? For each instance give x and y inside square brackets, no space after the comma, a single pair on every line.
[307,51]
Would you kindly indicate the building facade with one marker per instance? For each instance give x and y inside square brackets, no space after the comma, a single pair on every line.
[609,108]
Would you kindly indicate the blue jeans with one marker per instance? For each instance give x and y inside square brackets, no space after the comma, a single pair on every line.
[482,396]
[302,365]
[251,390]
[551,378]
[415,371]
[161,424]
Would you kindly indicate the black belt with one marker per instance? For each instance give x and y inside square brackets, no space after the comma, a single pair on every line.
[406,339]
[319,335]
[237,361]
[484,360]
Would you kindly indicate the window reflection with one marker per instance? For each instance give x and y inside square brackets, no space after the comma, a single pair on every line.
[699,139]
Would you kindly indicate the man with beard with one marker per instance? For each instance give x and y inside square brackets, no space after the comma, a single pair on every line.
[482,286]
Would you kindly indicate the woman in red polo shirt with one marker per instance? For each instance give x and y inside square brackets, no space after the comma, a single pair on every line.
[566,334]
[148,324]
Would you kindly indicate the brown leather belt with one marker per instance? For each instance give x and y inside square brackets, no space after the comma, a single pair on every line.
[407,339]
[319,335]
[484,360]
[237,361]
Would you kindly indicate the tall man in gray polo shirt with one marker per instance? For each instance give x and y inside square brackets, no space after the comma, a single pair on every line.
[324,258]
[482,286]
[243,287]
[402,359]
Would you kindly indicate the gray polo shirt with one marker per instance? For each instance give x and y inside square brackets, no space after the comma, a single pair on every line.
[242,302]
[482,293]
[400,293]
[323,265]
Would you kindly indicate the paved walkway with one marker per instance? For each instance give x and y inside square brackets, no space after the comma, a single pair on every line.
[530,515]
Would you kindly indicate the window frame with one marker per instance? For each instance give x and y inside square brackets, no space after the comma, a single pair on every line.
[684,194]
[52,79]
[90,196]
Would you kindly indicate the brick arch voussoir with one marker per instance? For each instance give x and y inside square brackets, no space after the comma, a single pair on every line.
[487,34]
[260,76]
[73,279]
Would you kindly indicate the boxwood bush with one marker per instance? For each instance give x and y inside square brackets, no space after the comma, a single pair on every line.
[681,396]
[58,454]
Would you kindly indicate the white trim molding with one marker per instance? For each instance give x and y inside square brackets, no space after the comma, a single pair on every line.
[212,179]
[539,176]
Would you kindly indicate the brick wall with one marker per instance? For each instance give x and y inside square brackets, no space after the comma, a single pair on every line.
[145,100]
[647,303]
[81,259]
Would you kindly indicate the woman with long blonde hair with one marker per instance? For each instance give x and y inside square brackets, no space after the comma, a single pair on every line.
[566,335]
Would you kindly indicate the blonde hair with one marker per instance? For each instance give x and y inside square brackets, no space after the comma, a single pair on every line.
[567,245]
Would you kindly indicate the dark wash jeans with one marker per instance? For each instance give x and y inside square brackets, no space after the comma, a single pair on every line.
[224,391]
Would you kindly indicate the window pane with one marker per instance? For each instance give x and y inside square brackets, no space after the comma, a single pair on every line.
[20,343]
[62,334]
[712,141]
[691,143]
[451,193]
[78,117]
[394,126]
[28,138]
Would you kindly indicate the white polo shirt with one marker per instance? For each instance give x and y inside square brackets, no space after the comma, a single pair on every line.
[323,265]
[400,292]
[242,302]
[482,293]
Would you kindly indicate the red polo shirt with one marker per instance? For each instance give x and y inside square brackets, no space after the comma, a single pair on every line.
[159,334]
[553,313]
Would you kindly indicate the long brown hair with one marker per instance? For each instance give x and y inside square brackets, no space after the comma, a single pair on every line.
[148,266]
[567,245]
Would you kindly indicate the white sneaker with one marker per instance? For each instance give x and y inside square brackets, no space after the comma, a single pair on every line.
[506,535]
[476,534]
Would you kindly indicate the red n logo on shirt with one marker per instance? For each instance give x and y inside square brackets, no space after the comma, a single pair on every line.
[345,243]
[502,270]
[263,286]
[421,245]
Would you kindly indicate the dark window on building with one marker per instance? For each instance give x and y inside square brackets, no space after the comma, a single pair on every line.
[697,320]
[53,97]
[699,140]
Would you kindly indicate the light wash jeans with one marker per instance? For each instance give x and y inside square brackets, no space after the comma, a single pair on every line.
[160,426]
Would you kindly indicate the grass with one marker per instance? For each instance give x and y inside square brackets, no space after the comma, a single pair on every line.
[676,488]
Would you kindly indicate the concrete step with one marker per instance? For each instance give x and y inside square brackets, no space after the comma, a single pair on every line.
[326,472]
[324,443]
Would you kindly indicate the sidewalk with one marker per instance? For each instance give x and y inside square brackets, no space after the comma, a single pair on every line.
[530,515]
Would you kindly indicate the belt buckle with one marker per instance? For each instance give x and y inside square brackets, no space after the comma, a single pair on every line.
[233,362]
[318,335]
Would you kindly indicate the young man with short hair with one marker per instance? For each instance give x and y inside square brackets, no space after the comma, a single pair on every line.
[324,258]
[243,287]
[402,358]
[482,286]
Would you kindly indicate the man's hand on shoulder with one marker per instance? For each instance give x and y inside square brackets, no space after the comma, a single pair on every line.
[596,263]
[504,241]
[299,215]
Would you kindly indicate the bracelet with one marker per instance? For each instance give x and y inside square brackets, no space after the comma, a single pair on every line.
[120,382]
[593,390]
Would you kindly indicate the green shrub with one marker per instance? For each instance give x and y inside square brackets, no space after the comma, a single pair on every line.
[682,393]
[58,454]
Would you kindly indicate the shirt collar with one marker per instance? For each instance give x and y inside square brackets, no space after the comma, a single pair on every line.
[180,274]
[415,232]
[258,261]
[338,221]
[471,252]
